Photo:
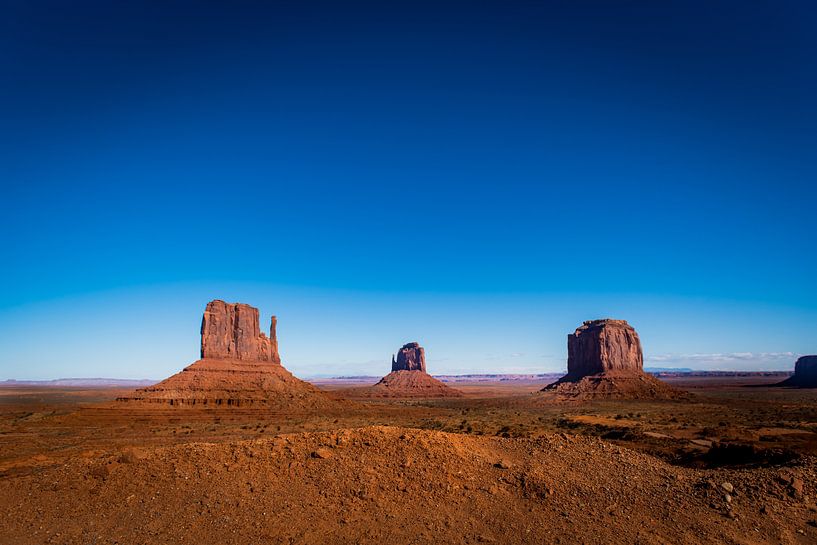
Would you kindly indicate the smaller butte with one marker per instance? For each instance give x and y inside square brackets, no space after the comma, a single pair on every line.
[805,373]
[604,360]
[408,378]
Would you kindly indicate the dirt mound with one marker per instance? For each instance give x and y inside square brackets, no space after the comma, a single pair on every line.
[233,382]
[611,386]
[395,485]
[408,384]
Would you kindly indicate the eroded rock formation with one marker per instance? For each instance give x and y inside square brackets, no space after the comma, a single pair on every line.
[805,373]
[603,346]
[604,360]
[231,331]
[239,366]
[408,378]
[411,357]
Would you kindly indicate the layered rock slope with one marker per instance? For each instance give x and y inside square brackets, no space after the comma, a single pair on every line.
[805,373]
[239,366]
[605,360]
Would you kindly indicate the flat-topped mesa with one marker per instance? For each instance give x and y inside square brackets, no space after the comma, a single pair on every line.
[604,346]
[805,369]
[805,373]
[411,357]
[231,331]
[604,361]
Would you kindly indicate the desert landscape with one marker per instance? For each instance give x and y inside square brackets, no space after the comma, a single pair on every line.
[234,449]
[408,273]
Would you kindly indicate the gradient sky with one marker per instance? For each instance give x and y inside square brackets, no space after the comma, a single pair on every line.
[477,176]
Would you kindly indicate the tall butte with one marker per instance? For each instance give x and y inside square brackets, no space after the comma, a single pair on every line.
[232,331]
[408,377]
[604,360]
[239,366]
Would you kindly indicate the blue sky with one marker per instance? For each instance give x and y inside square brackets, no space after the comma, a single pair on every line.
[480,177]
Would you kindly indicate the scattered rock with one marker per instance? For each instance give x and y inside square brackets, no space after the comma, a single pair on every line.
[728,487]
[322,453]
[796,488]
[127,457]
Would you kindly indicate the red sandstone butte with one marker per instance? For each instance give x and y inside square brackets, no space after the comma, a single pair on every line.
[239,366]
[408,378]
[603,346]
[411,357]
[232,331]
[604,360]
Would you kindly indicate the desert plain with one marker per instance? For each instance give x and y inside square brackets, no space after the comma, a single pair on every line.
[732,463]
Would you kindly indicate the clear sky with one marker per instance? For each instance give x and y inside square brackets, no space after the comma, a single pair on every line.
[476,176]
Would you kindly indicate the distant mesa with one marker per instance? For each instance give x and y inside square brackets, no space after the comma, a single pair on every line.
[239,366]
[805,373]
[605,360]
[408,378]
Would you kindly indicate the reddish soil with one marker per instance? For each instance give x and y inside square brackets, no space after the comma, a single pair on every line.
[394,485]
[486,467]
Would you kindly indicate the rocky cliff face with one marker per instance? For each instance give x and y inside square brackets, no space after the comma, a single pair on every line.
[805,369]
[232,331]
[805,373]
[603,346]
[411,357]
[604,361]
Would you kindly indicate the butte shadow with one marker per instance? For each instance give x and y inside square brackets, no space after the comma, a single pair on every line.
[408,378]
[605,361]
[239,367]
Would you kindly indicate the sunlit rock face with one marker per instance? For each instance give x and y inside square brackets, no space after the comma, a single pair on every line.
[411,357]
[604,346]
[232,331]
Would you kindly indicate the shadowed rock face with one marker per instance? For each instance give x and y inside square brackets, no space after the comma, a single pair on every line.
[231,331]
[411,357]
[805,373]
[603,346]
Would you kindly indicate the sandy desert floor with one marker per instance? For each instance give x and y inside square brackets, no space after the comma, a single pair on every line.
[734,463]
